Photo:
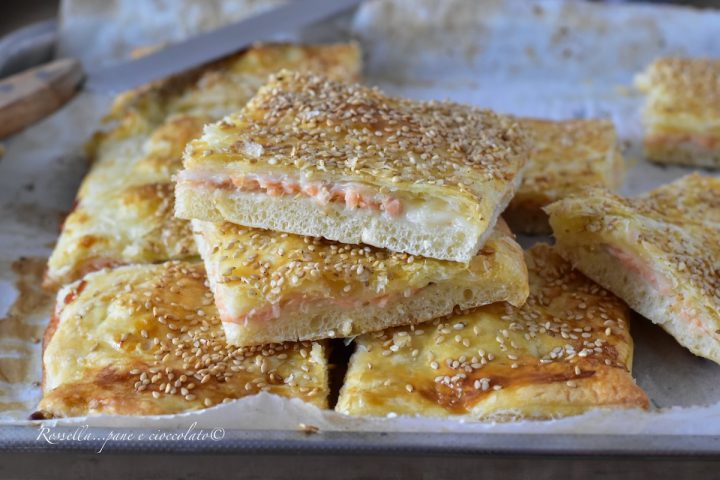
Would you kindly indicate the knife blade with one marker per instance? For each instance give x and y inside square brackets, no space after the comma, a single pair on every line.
[209,46]
[32,95]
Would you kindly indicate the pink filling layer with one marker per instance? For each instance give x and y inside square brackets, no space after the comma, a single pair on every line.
[638,267]
[299,304]
[708,142]
[351,196]
[660,283]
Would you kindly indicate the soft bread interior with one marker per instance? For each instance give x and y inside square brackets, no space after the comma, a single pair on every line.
[666,148]
[302,216]
[319,306]
[338,321]
[598,264]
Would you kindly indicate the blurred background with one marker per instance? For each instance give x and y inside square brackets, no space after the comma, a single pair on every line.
[17,13]
[97,32]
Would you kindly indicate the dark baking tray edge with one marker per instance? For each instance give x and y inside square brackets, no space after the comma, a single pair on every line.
[25,439]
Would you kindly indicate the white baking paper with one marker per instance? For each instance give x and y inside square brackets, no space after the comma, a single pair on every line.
[544,58]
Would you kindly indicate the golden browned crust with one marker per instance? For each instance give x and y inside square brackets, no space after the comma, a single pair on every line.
[124,211]
[146,339]
[681,111]
[663,246]
[567,350]
[687,86]
[226,85]
[327,128]
[568,157]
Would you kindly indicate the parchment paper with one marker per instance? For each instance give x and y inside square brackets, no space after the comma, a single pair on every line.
[545,58]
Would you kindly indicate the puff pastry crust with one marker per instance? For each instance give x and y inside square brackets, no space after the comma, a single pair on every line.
[124,210]
[568,156]
[659,252]
[146,340]
[311,156]
[275,287]
[682,111]
[567,350]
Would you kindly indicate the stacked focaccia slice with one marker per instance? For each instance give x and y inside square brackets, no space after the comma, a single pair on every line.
[272,286]
[309,157]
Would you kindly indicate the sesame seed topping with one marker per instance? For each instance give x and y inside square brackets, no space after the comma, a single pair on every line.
[682,86]
[189,358]
[310,124]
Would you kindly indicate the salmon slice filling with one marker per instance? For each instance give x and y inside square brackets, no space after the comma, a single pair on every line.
[706,141]
[641,269]
[661,284]
[302,304]
[352,196]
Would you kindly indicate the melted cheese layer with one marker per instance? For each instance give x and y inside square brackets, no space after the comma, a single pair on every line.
[396,205]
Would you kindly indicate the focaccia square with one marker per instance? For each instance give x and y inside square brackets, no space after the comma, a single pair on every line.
[311,156]
[147,340]
[224,86]
[568,156]
[682,111]
[275,287]
[124,210]
[660,252]
[567,350]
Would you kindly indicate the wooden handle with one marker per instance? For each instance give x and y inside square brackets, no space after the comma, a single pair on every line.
[34,94]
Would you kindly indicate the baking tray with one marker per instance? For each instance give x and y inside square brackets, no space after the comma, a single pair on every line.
[105,440]
[350,455]
[529,58]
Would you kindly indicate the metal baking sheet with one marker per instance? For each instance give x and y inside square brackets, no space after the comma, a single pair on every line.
[555,59]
